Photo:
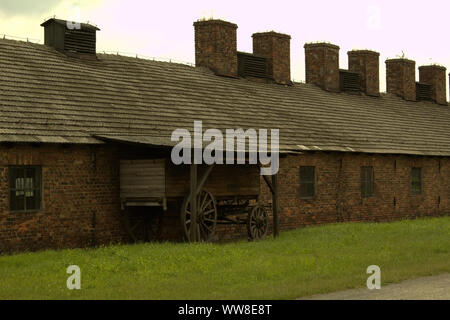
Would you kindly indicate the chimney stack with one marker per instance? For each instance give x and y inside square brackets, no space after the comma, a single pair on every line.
[276,48]
[216,47]
[367,64]
[322,65]
[401,78]
[435,76]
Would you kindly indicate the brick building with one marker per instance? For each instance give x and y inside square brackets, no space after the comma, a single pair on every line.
[348,152]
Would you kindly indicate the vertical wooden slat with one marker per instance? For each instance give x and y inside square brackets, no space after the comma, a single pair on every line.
[275,205]
[193,200]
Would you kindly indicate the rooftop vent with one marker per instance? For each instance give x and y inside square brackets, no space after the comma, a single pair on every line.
[250,65]
[69,37]
[349,81]
[423,91]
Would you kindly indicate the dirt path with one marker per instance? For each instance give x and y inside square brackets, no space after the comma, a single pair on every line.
[426,288]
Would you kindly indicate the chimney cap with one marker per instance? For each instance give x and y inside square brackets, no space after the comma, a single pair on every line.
[400,60]
[369,52]
[85,26]
[320,44]
[215,21]
[433,66]
[271,33]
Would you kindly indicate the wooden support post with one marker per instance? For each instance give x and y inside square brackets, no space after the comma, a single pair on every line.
[205,176]
[275,205]
[269,184]
[193,201]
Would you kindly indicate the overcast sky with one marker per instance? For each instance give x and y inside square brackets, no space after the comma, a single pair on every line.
[164,28]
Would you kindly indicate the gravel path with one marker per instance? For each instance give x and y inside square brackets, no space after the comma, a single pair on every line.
[426,288]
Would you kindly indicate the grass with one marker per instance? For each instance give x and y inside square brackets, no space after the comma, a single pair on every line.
[300,262]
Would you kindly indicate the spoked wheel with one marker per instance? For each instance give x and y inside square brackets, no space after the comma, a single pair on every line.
[206,216]
[142,227]
[257,222]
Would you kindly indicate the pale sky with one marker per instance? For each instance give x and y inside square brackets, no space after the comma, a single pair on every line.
[163,29]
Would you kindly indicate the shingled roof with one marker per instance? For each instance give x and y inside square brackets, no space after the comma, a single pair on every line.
[46,96]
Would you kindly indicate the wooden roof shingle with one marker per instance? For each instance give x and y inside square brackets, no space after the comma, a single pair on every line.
[46,96]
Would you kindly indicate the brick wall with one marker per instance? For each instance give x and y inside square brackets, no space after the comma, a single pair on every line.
[338,197]
[81,195]
[276,48]
[322,65]
[80,198]
[401,78]
[435,75]
[216,46]
[367,64]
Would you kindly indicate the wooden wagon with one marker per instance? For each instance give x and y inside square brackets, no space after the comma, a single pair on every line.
[224,194]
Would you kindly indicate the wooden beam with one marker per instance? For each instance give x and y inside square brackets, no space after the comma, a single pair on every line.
[193,201]
[275,205]
[203,178]
[269,184]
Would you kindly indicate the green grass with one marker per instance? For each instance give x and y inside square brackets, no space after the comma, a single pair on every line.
[300,262]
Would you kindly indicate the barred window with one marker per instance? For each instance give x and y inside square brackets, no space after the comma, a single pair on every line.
[366,182]
[25,188]
[416,181]
[307,182]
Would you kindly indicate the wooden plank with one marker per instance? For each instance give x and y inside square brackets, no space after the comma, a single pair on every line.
[223,181]
[142,181]
[143,178]
[193,201]
[269,184]
[275,205]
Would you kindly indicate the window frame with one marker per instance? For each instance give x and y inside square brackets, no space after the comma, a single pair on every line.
[39,188]
[412,182]
[364,182]
[308,182]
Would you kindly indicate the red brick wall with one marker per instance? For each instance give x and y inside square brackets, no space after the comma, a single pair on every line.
[367,64]
[338,196]
[80,198]
[322,65]
[435,75]
[81,195]
[276,48]
[216,46]
[401,78]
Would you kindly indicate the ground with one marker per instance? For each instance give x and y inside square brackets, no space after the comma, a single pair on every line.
[302,262]
[424,288]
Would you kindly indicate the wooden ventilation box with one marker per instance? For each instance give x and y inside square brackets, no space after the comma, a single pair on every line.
[82,41]
[250,65]
[423,91]
[71,38]
[142,180]
[153,181]
[349,81]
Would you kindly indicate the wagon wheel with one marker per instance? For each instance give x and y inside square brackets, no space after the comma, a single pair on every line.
[206,216]
[141,227]
[257,222]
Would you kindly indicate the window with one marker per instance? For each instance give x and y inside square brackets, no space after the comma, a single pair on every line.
[307,182]
[25,188]
[416,181]
[366,181]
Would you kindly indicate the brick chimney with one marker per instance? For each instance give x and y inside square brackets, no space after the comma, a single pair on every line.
[401,78]
[216,47]
[367,64]
[276,47]
[322,65]
[435,76]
